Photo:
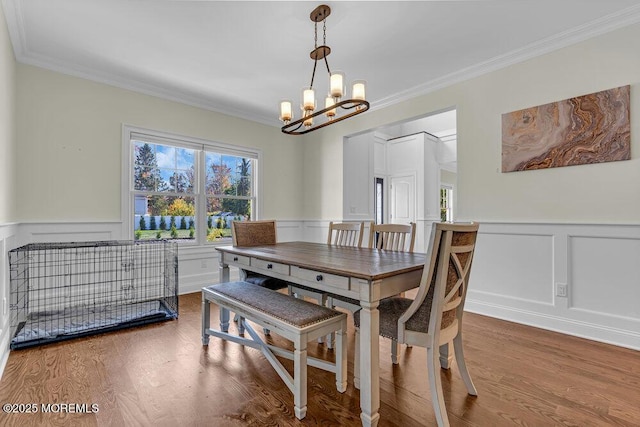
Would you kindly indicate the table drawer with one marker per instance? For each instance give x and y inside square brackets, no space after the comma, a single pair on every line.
[237,259]
[327,279]
[270,266]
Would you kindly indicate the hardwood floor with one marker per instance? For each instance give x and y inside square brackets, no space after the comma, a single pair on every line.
[161,375]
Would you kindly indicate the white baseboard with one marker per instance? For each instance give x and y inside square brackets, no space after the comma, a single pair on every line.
[601,333]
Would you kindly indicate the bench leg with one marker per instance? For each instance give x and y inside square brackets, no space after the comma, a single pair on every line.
[394,351]
[300,377]
[356,361]
[240,325]
[341,358]
[206,314]
[224,319]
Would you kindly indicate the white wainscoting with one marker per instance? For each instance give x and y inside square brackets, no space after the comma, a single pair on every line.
[7,242]
[317,230]
[518,267]
[52,232]
[197,265]
[514,277]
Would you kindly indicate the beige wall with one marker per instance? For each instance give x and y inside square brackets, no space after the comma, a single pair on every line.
[70,137]
[7,125]
[69,133]
[601,193]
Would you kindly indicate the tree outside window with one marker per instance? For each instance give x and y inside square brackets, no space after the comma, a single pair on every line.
[166,180]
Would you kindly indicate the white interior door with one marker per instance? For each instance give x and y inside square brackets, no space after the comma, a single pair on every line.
[402,190]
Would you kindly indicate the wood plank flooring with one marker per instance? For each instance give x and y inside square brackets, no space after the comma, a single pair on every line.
[161,375]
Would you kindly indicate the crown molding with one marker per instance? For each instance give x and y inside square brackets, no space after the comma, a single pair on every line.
[15,25]
[143,87]
[605,24]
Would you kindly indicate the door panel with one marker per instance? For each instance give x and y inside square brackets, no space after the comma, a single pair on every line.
[403,199]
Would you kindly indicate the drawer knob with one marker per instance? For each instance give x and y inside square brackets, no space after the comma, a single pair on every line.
[319,278]
[235,258]
[269,266]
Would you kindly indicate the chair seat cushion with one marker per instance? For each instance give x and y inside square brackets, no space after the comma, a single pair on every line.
[392,308]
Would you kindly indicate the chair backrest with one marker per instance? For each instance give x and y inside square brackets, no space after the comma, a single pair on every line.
[253,233]
[443,287]
[393,237]
[345,234]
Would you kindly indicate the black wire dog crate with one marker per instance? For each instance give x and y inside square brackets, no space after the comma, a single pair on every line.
[66,290]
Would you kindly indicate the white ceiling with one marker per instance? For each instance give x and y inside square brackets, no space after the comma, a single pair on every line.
[241,58]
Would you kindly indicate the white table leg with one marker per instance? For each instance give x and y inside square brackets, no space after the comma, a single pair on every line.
[369,364]
[224,272]
[224,313]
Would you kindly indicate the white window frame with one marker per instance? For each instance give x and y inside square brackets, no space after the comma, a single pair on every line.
[200,145]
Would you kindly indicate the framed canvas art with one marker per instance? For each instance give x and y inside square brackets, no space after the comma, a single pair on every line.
[592,128]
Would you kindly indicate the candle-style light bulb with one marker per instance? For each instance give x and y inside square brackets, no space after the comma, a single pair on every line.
[329,102]
[286,112]
[337,84]
[308,121]
[308,99]
[358,90]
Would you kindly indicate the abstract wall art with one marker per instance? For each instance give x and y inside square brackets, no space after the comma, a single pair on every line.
[593,128]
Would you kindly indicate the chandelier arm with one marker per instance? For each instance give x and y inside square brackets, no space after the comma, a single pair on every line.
[313,74]
[344,106]
[293,131]
[364,106]
[327,64]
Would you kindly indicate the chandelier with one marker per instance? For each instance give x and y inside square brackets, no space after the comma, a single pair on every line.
[333,102]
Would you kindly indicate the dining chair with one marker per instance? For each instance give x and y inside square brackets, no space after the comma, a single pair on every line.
[340,234]
[434,317]
[393,237]
[256,233]
[345,234]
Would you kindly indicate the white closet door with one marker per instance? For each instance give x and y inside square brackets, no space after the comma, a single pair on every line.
[403,199]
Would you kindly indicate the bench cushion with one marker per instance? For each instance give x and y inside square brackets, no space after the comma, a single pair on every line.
[292,311]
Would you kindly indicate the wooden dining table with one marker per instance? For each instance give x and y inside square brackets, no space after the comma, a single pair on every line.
[367,275]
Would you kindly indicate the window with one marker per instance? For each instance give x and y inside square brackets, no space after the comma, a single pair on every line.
[446,205]
[379,201]
[184,189]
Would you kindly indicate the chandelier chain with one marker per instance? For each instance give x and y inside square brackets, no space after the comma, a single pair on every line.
[324,42]
[315,44]
[324,31]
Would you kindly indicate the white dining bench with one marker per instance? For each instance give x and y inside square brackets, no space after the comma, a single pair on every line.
[294,319]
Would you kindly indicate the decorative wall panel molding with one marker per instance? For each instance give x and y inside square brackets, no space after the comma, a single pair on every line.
[520,269]
[516,271]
